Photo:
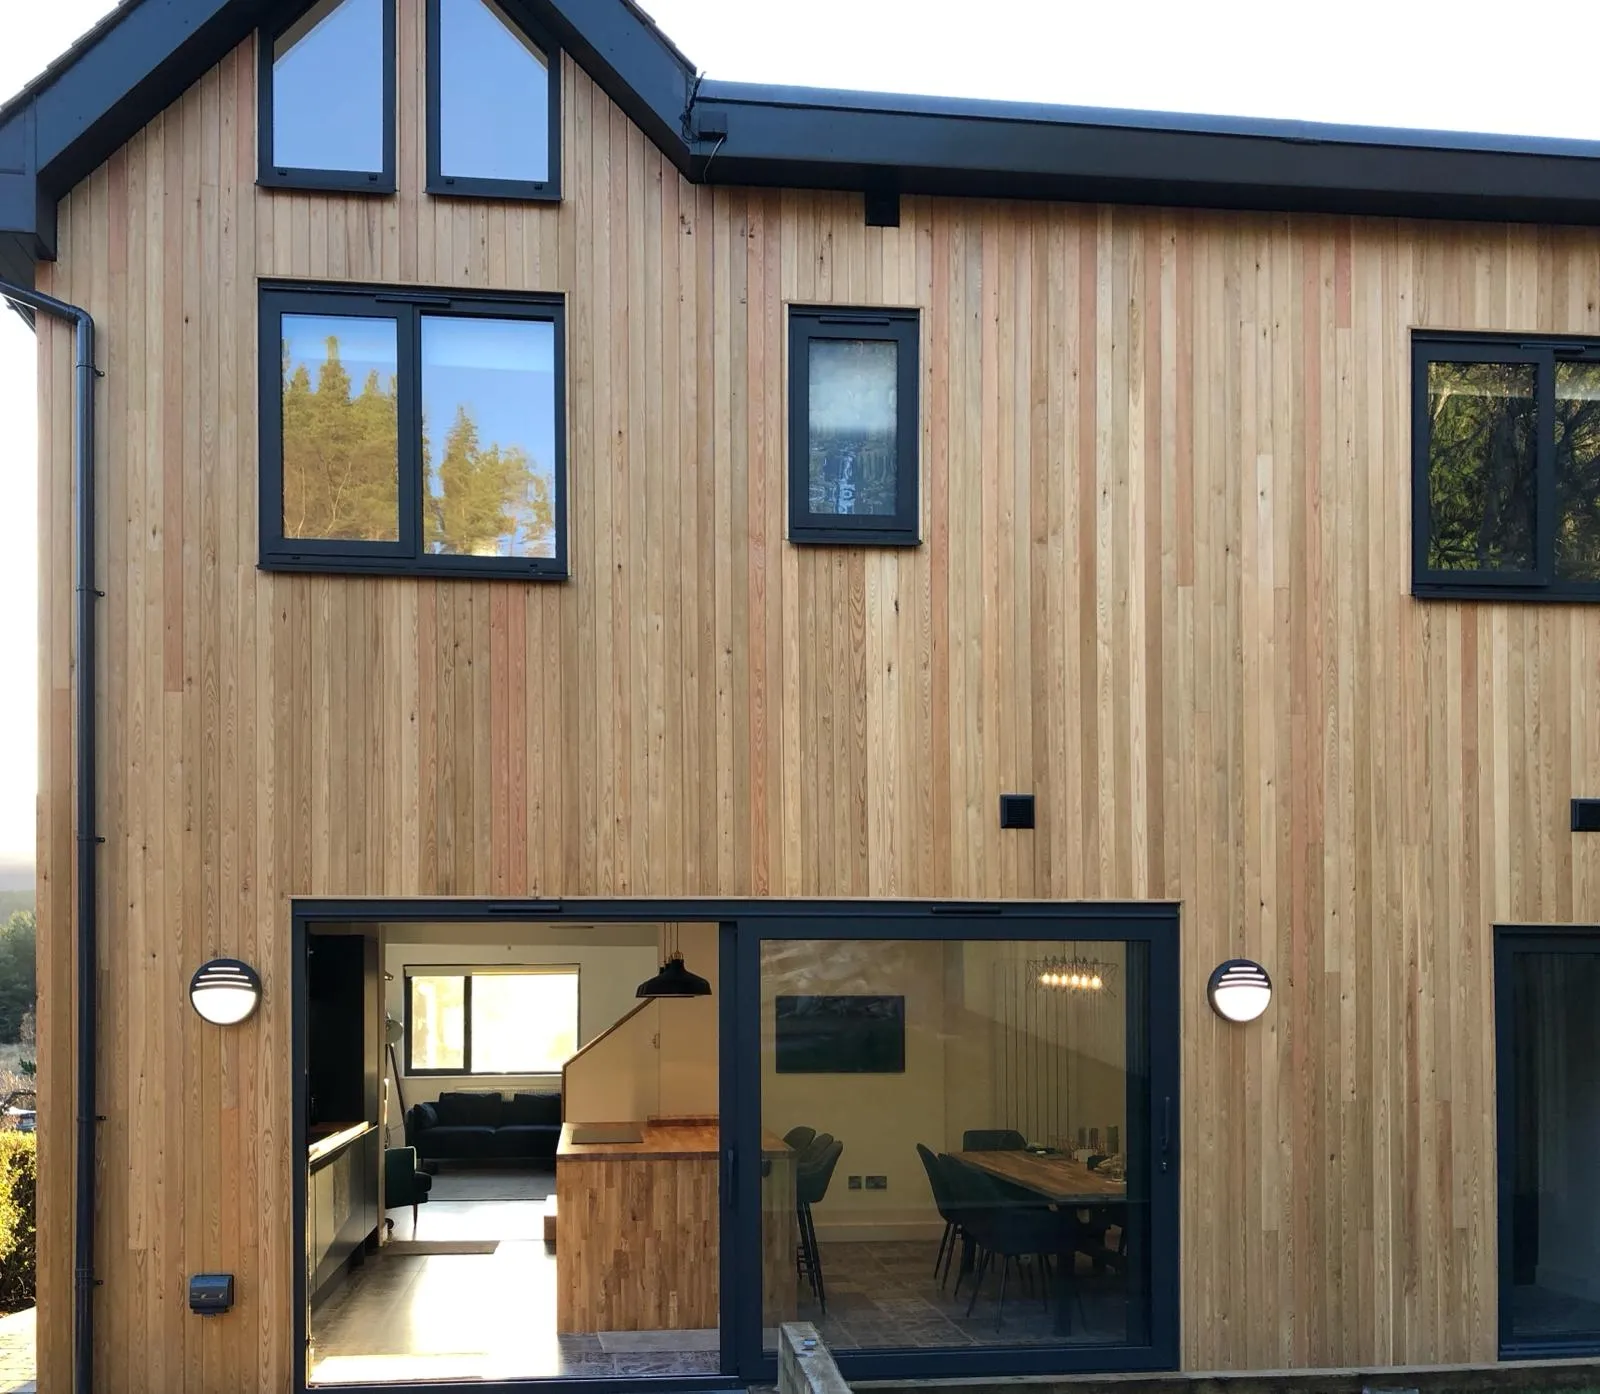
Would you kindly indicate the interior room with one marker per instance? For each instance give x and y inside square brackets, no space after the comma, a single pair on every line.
[1555,1220]
[480,1095]
[961,1113]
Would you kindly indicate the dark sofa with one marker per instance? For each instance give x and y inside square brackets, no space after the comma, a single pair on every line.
[479,1127]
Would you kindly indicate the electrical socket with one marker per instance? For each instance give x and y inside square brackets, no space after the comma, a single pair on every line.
[877,1183]
[855,1183]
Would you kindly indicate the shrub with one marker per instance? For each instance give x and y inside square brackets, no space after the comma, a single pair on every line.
[18,1170]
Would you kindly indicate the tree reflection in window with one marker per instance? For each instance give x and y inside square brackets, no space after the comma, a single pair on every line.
[1578,471]
[481,497]
[1482,466]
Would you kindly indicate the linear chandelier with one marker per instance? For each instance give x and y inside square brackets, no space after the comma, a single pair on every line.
[1072,974]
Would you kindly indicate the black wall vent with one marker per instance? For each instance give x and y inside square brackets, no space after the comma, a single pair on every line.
[1016,810]
[1586,815]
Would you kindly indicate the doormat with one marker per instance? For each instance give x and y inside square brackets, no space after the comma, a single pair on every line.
[422,1248]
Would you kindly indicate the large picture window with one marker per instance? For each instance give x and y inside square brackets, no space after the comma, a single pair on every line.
[490,1021]
[853,426]
[412,432]
[494,104]
[326,93]
[1506,467]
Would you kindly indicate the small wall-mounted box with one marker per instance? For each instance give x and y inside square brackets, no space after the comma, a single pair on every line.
[1586,815]
[1016,810]
[210,1294]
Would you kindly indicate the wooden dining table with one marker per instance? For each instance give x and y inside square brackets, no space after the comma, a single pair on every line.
[1063,1182]
[1059,1179]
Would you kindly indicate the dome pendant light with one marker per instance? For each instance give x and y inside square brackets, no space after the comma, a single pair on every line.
[674,979]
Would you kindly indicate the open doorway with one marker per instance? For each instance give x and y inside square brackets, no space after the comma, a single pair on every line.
[512,1114]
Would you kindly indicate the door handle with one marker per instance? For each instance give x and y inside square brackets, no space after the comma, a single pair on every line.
[1166,1130]
[730,1174]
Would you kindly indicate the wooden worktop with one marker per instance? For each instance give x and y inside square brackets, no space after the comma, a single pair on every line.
[659,1142]
[324,1140]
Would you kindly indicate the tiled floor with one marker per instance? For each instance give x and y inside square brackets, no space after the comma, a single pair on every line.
[477,1316]
[885,1294]
[1538,1311]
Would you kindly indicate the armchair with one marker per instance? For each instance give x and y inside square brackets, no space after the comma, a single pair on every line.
[404,1183]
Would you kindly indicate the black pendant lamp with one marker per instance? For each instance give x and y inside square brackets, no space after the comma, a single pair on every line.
[674,979]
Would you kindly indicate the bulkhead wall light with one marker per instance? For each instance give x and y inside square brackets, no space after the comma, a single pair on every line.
[1239,990]
[225,991]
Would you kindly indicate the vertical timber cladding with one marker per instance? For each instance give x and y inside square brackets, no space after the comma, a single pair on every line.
[1166,481]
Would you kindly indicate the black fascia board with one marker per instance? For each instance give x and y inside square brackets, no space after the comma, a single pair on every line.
[636,65]
[797,137]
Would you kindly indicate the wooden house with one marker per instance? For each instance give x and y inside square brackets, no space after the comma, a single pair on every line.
[978,594]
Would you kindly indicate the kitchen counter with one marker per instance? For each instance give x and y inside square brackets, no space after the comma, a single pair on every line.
[639,1227]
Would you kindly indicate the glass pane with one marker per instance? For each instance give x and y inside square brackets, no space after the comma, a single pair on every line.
[1555,1211]
[494,96]
[438,1023]
[1481,466]
[341,446]
[489,436]
[1578,471]
[852,426]
[956,1145]
[327,89]
[523,1023]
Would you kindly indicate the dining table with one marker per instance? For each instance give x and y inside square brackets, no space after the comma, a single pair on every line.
[1063,1182]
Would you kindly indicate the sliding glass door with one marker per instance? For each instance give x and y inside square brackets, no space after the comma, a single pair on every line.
[1547,982]
[955,1144]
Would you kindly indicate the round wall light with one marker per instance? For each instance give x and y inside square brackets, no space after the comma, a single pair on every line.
[1239,990]
[225,991]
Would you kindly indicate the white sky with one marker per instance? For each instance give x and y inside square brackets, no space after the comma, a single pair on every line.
[1462,66]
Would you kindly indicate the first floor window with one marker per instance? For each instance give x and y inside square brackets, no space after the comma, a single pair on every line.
[490,1021]
[1506,465]
[853,426]
[413,432]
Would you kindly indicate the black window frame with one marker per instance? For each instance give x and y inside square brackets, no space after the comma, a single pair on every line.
[1541,581]
[445,185]
[406,305]
[904,326]
[467,973]
[273,176]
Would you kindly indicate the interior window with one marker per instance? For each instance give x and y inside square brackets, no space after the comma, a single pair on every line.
[493,113]
[328,95]
[494,1021]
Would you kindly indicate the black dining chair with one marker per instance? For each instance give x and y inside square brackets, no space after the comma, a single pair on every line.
[999,1219]
[812,1176]
[799,1138]
[944,1201]
[992,1140]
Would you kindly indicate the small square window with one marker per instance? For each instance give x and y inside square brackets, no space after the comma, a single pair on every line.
[494,104]
[854,428]
[412,432]
[1506,446]
[326,118]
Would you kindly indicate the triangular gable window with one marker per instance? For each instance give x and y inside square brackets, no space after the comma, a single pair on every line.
[327,98]
[494,108]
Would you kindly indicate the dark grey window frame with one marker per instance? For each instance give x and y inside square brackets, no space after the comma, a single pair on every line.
[270,175]
[809,322]
[467,974]
[1544,352]
[405,305]
[456,186]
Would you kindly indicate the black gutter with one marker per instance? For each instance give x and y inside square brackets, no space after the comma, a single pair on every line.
[83,1280]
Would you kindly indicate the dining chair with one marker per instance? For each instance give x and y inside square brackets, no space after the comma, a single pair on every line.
[992,1140]
[944,1202]
[799,1138]
[811,1180]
